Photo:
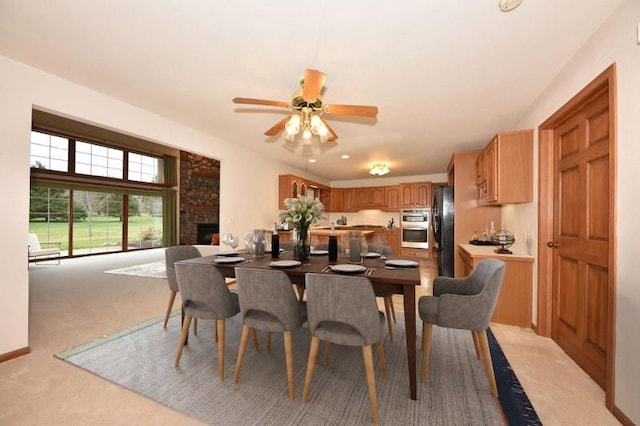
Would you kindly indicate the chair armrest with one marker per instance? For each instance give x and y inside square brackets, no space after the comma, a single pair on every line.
[50,244]
[448,285]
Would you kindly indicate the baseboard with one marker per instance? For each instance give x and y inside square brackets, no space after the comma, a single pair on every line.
[626,421]
[15,354]
[534,327]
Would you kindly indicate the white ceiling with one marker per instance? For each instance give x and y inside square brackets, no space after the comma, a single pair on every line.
[446,75]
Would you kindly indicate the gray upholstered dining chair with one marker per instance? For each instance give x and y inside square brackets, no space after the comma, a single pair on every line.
[172,255]
[343,310]
[467,304]
[268,303]
[205,295]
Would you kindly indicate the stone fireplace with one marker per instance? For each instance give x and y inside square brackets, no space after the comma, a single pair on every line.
[199,198]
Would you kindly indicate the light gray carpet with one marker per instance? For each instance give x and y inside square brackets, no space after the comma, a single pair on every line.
[149,270]
[142,358]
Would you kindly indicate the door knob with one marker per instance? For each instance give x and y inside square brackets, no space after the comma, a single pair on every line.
[553,244]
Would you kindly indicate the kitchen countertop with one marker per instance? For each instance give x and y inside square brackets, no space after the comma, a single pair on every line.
[480,252]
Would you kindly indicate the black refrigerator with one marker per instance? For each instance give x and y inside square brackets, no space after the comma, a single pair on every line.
[442,216]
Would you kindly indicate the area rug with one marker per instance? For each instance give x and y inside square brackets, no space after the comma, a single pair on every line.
[149,270]
[141,359]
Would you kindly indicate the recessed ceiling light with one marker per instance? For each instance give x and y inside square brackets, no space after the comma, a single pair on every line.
[312,160]
[345,157]
[508,5]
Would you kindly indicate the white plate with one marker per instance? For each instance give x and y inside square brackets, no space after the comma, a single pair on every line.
[229,260]
[348,268]
[284,264]
[402,263]
[269,251]
[227,253]
[372,255]
[318,252]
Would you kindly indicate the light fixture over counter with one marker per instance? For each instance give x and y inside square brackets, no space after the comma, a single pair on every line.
[379,169]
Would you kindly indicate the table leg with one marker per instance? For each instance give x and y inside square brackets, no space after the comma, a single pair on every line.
[409,293]
[186,341]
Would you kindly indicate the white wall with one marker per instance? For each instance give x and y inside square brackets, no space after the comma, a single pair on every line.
[616,41]
[248,182]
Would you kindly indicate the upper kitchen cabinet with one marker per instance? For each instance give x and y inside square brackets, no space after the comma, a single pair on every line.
[416,194]
[291,186]
[369,198]
[504,169]
[392,198]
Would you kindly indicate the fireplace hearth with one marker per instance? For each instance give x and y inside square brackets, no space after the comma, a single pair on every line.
[206,232]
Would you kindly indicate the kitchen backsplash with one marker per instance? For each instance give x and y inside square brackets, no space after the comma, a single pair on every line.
[364,217]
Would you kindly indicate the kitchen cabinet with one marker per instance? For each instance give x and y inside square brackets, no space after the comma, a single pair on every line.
[369,198]
[415,195]
[514,305]
[337,200]
[504,169]
[392,239]
[392,198]
[291,186]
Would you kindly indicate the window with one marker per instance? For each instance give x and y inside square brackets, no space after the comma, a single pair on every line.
[49,152]
[143,168]
[49,215]
[98,160]
[98,227]
[145,221]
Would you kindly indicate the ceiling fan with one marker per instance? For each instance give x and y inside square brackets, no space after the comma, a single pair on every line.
[308,110]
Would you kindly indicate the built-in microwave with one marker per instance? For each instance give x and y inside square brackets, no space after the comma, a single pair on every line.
[414,226]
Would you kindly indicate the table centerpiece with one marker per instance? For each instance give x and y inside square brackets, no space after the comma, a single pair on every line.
[302,212]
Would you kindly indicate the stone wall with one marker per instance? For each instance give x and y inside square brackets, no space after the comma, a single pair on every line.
[199,194]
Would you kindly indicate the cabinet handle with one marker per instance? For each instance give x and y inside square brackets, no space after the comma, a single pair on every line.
[553,244]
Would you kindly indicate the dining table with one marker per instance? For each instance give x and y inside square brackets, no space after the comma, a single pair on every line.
[401,280]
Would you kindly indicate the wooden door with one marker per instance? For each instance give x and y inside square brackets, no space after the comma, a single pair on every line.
[581,236]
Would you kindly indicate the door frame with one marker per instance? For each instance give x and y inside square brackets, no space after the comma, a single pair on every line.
[545,215]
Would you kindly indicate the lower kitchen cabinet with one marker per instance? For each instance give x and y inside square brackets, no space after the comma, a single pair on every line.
[514,304]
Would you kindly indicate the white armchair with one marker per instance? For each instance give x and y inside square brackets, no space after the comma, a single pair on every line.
[36,251]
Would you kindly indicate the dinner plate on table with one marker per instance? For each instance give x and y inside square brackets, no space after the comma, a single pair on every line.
[347,268]
[229,260]
[401,263]
[318,252]
[285,264]
[227,253]
[372,255]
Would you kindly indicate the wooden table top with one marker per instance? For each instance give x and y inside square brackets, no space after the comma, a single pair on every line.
[390,279]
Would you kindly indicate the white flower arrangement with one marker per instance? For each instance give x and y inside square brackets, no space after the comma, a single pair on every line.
[302,212]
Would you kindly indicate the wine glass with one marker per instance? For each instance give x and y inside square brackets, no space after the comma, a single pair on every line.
[364,249]
[233,242]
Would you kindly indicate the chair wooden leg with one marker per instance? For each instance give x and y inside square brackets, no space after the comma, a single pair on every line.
[216,334]
[243,345]
[393,310]
[288,354]
[195,326]
[311,363]
[476,344]
[383,363]
[220,332]
[327,353]
[172,298]
[387,310]
[183,338]
[300,293]
[254,335]
[367,356]
[488,365]
[268,344]
[427,329]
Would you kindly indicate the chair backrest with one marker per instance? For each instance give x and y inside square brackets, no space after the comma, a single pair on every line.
[474,311]
[176,254]
[204,291]
[267,300]
[339,300]
[34,242]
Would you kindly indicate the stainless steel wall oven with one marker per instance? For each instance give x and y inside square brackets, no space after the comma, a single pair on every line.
[414,226]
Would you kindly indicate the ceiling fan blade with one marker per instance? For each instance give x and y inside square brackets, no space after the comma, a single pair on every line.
[333,134]
[359,110]
[249,101]
[313,82]
[279,127]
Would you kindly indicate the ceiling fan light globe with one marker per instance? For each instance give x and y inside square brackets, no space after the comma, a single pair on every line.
[306,134]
